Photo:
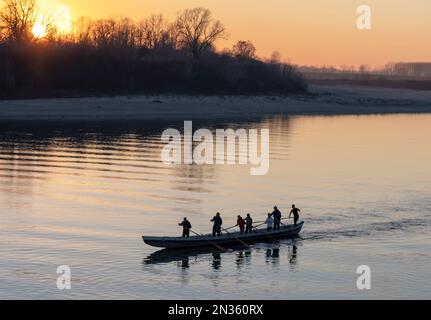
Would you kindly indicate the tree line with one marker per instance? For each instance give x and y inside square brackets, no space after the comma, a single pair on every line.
[118,55]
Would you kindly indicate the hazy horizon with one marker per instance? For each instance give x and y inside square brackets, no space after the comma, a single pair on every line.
[315,34]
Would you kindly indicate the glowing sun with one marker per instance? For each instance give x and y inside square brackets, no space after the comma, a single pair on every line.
[59,17]
[39,29]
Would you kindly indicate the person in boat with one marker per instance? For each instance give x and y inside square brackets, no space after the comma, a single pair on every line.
[295,211]
[186,227]
[269,222]
[217,223]
[276,214]
[248,224]
[241,224]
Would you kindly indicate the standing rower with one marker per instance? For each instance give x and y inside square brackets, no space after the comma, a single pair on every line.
[248,224]
[186,227]
[241,224]
[277,218]
[295,212]
[217,220]
[269,222]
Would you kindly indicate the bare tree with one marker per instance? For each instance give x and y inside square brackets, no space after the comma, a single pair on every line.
[118,32]
[102,32]
[82,30]
[244,50]
[152,31]
[124,33]
[198,31]
[171,36]
[17,18]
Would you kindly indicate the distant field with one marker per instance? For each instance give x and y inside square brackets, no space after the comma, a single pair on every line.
[382,83]
[368,80]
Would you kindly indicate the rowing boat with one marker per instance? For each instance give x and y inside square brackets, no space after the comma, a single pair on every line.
[286,231]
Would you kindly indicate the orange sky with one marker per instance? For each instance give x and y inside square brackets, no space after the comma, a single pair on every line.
[313,32]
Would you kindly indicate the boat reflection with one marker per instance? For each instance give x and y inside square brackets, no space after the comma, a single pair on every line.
[216,263]
[293,254]
[271,252]
[243,258]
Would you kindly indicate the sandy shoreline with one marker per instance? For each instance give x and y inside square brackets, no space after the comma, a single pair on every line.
[324,100]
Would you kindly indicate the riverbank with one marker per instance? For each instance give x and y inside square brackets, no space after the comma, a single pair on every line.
[322,100]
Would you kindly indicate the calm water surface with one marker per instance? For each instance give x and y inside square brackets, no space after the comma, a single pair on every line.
[83,194]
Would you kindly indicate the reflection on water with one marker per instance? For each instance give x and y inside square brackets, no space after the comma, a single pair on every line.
[190,258]
[293,256]
[243,258]
[242,255]
[83,194]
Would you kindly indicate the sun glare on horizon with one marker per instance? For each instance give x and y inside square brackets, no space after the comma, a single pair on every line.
[39,29]
[59,15]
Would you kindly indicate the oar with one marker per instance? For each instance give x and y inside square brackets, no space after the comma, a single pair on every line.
[284,219]
[212,243]
[237,225]
[262,223]
[237,239]
[230,227]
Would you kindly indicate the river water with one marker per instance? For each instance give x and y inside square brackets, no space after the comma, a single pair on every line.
[83,194]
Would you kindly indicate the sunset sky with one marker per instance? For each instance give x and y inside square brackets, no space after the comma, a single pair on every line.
[313,32]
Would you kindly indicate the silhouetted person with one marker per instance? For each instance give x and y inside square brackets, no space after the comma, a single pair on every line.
[277,218]
[217,220]
[186,227]
[248,224]
[295,212]
[241,224]
[269,222]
